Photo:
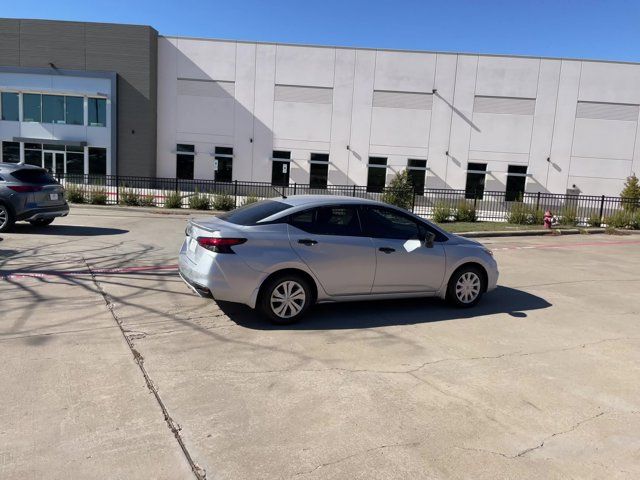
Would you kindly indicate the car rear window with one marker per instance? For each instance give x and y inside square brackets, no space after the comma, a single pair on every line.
[39,176]
[253,213]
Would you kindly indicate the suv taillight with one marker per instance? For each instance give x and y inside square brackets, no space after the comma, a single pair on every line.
[220,245]
[24,188]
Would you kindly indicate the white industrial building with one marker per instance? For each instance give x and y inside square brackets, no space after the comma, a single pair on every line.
[231,110]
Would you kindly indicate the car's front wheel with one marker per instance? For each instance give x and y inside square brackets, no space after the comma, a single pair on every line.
[41,222]
[285,298]
[6,218]
[466,286]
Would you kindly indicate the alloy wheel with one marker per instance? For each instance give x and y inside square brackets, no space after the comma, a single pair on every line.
[468,287]
[4,216]
[288,299]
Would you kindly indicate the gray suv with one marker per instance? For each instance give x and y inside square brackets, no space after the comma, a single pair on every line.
[30,194]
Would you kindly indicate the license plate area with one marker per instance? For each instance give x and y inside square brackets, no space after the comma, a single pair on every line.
[54,196]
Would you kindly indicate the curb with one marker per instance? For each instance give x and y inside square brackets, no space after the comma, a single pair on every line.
[154,210]
[533,233]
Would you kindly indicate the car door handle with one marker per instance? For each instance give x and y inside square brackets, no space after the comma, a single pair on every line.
[307,241]
[387,249]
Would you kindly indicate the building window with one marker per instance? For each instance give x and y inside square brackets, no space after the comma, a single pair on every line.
[33,154]
[31,107]
[319,170]
[224,164]
[52,109]
[75,161]
[97,161]
[417,170]
[476,173]
[377,175]
[184,161]
[74,110]
[10,152]
[10,106]
[97,111]
[280,168]
[516,180]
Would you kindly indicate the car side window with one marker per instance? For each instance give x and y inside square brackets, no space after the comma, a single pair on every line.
[330,220]
[381,222]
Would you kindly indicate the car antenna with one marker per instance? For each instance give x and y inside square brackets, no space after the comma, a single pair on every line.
[281,193]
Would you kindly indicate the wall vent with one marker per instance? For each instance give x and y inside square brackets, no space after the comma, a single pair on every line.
[504,105]
[410,100]
[205,88]
[295,93]
[607,111]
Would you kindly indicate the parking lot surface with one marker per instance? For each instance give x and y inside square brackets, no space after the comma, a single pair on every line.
[112,368]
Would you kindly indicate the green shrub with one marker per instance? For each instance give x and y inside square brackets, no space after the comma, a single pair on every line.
[129,198]
[465,212]
[199,202]
[249,200]
[631,194]
[98,196]
[74,194]
[224,202]
[520,214]
[147,201]
[173,200]
[568,217]
[400,191]
[537,216]
[441,212]
[594,220]
[619,219]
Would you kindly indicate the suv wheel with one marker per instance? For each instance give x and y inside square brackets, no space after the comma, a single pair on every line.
[466,287]
[285,299]
[42,222]
[6,218]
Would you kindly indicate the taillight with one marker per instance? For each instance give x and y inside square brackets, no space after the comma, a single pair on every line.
[24,188]
[220,245]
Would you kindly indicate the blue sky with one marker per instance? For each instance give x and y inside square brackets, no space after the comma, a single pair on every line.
[562,28]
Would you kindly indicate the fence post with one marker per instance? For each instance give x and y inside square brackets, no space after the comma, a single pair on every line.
[354,190]
[176,185]
[538,201]
[117,189]
[235,193]
[601,207]
[295,188]
[413,202]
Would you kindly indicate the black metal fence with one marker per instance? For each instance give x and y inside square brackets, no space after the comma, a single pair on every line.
[488,205]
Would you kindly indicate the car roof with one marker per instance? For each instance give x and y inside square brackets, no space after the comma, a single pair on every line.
[299,200]
[18,166]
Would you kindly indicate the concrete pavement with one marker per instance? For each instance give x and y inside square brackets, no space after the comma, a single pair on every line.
[539,381]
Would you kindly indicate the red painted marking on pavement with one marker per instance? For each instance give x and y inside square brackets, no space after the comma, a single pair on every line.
[61,273]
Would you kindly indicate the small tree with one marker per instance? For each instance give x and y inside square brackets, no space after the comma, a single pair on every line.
[400,191]
[631,193]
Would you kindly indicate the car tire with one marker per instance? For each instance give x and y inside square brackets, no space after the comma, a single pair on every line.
[7,219]
[42,222]
[466,286]
[285,299]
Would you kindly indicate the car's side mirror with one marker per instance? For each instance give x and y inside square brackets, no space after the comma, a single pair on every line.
[429,238]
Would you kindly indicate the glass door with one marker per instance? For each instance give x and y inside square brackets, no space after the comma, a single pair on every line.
[53,161]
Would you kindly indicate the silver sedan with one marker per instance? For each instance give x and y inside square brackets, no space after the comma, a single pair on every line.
[283,255]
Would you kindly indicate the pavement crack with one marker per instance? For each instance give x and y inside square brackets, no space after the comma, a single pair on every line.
[363,452]
[542,443]
[199,472]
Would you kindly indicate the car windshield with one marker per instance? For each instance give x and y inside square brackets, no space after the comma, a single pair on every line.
[39,176]
[251,214]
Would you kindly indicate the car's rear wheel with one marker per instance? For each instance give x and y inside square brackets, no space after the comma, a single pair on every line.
[41,222]
[6,218]
[466,286]
[285,299]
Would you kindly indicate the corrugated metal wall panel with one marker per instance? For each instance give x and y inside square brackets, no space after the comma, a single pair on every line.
[411,100]
[607,111]
[205,88]
[293,93]
[504,105]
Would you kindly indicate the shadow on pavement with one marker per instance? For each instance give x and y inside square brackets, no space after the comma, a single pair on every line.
[66,230]
[392,312]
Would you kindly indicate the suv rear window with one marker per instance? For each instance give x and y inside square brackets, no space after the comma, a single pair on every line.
[39,176]
[253,213]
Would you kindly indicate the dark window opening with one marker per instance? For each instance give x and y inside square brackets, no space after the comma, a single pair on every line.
[11,152]
[31,107]
[52,109]
[224,172]
[10,106]
[280,168]
[185,161]
[75,163]
[33,154]
[516,181]
[475,180]
[417,174]
[97,161]
[319,170]
[97,112]
[377,174]
[74,110]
